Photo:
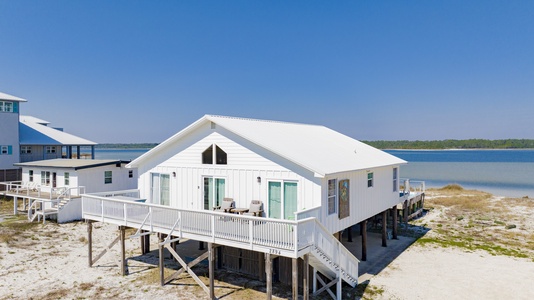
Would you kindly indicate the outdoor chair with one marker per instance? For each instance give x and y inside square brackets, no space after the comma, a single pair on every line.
[256,208]
[226,205]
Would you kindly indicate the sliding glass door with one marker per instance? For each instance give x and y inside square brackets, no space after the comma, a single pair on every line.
[160,189]
[282,199]
[214,191]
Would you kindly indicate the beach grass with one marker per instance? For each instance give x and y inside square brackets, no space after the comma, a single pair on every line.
[475,220]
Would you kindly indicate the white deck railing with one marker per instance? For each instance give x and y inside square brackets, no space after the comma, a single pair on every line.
[314,212]
[280,237]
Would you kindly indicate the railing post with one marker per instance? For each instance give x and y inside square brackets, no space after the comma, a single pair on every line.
[102,205]
[295,239]
[125,214]
[250,233]
[212,229]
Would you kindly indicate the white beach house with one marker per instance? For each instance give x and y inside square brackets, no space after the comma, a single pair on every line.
[311,183]
[296,170]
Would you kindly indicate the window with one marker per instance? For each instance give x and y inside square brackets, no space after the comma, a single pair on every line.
[7,106]
[160,189]
[67,179]
[332,196]
[370,179]
[108,175]
[209,156]
[395,176]
[45,178]
[25,149]
[4,149]
[130,174]
[50,149]
[30,174]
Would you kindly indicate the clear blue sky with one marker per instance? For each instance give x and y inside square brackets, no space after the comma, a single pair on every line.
[139,71]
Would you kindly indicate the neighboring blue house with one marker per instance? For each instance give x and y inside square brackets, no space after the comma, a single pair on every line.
[25,139]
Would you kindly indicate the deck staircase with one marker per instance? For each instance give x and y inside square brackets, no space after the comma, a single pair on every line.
[42,207]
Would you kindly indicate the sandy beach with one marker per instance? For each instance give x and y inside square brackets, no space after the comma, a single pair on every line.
[483,250]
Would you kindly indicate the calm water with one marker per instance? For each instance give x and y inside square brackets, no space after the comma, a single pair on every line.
[501,172]
[122,154]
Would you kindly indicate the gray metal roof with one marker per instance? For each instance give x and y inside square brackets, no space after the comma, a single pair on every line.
[75,164]
[32,133]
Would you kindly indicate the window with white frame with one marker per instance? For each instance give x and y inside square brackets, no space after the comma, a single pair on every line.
[130,174]
[395,178]
[6,106]
[370,179]
[4,150]
[45,178]
[332,196]
[25,149]
[108,177]
[214,155]
[50,149]
[67,178]
[30,175]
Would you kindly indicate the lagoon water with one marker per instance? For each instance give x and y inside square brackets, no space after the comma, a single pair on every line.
[500,172]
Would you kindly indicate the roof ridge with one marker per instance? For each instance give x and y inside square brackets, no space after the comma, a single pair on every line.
[262,120]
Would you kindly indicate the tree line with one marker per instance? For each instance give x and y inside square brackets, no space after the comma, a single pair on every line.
[454,144]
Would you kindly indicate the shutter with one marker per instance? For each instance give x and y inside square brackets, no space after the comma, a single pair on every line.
[15,107]
[9,150]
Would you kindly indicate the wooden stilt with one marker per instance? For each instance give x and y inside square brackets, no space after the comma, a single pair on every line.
[395,222]
[123,250]
[363,225]
[306,278]
[211,262]
[406,212]
[269,275]
[295,278]
[161,260]
[90,242]
[349,233]
[142,243]
[314,278]
[384,228]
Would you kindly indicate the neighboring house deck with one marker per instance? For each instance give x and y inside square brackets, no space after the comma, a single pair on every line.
[52,188]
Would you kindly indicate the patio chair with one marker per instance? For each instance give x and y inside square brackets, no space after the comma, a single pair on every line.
[256,208]
[226,205]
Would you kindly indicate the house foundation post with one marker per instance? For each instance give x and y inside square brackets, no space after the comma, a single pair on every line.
[269,275]
[384,228]
[123,250]
[363,225]
[395,222]
[161,260]
[349,233]
[211,263]
[306,278]
[90,242]
[295,278]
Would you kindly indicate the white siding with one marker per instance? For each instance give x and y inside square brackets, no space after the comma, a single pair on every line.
[364,202]
[246,162]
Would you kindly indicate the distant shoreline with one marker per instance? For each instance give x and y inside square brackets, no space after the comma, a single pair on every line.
[471,144]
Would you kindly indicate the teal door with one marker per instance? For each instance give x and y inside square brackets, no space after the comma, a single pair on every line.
[282,200]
